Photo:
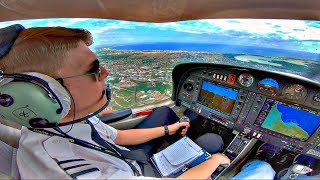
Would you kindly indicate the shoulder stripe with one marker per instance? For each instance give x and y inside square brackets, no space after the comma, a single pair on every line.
[75,175]
[79,169]
[70,160]
[71,167]
[70,164]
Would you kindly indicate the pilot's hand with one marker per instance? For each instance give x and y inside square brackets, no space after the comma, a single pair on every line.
[221,158]
[173,128]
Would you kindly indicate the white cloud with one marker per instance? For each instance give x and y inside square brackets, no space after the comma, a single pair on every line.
[287,29]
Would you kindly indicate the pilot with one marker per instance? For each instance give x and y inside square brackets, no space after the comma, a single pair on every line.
[67,141]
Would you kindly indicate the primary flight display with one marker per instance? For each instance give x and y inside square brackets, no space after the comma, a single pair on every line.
[217,97]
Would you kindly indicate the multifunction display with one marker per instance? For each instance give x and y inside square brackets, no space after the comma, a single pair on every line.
[217,97]
[288,120]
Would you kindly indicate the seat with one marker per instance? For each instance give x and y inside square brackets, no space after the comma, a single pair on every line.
[10,133]
[9,141]
[8,159]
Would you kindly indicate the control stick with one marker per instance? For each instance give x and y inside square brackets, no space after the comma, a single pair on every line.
[183,119]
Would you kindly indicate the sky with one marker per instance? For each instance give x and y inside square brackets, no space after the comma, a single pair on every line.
[282,34]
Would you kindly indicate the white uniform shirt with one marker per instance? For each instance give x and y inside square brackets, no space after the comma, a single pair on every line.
[52,157]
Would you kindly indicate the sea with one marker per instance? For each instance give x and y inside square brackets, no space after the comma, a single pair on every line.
[222,48]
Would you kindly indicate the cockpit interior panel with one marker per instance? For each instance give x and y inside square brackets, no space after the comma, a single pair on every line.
[272,107]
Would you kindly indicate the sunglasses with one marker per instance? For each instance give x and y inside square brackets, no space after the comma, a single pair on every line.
[95,70]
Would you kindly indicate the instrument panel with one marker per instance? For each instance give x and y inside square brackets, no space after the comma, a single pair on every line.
[272,107]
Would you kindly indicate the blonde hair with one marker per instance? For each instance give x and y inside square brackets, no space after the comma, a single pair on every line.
[43,49]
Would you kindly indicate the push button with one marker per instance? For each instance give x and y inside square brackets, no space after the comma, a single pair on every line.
[231,79]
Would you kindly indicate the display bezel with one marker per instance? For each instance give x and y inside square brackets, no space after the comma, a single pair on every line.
[259,121]
[222,86]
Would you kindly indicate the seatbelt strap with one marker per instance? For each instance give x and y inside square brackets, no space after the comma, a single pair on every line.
[139,154]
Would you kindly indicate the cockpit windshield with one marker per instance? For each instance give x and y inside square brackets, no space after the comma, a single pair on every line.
[140,56]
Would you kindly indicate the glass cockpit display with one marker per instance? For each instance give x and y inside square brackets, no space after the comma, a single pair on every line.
[288,120]
[217,97]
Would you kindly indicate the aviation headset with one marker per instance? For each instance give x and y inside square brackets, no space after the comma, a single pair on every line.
[32,99]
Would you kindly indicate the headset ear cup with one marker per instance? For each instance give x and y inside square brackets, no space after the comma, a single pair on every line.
[58,89]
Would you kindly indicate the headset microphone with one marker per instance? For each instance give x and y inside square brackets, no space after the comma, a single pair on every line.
[108,92]
[108,95]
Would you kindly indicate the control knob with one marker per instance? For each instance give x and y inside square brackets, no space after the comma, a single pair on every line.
[188,86]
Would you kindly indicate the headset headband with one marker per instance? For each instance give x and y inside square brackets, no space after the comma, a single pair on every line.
[8,36]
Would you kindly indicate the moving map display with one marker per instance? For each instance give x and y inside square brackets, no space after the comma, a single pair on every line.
[287,120]
[217,97]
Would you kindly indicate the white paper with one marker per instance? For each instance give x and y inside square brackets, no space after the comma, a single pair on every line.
[174,157]
[181,151]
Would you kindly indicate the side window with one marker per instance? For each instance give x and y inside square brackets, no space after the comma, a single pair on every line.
[137,78]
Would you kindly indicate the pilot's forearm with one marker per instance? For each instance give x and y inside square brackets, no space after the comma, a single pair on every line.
[138,136]
[202,171]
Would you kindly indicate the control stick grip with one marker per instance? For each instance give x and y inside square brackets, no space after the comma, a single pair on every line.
[224,165]
[183,119]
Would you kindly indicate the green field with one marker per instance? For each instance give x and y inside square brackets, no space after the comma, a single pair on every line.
[125,97]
